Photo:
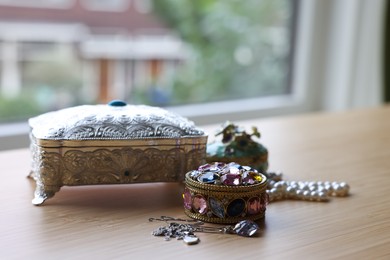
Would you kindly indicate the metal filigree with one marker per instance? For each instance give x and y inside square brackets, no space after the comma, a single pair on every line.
[53,170]
[107,122]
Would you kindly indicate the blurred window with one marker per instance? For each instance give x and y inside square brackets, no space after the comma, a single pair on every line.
[163,53]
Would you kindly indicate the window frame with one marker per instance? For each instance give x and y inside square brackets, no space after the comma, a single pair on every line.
[65,4]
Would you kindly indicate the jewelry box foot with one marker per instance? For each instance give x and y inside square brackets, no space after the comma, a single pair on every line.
[43,193]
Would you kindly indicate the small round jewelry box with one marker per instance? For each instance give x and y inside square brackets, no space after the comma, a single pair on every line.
[225,193]
[115,143]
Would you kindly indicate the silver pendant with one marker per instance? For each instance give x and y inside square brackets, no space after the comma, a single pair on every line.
[191,240]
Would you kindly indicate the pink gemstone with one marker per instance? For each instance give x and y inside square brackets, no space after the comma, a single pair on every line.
[231,179]
[187,198]
[200,204]
[254,206]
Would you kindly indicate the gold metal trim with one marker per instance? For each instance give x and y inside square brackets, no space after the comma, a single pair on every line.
[216,220]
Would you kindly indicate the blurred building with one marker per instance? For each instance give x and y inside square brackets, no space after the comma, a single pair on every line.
[119,43]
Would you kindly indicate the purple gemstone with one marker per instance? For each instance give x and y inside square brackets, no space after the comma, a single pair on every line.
[254,206]
[231,179]
[200,204]
[246,228]
[247,178]
[187,198]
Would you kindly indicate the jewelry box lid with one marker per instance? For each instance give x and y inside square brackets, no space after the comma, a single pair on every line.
[116,120]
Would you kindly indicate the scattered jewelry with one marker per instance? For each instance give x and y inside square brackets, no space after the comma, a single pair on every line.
[232,174]
[185,232]
[225,192]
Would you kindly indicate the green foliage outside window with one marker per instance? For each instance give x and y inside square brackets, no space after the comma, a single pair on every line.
[240,49]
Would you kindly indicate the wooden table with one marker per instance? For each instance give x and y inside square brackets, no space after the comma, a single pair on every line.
[111,222]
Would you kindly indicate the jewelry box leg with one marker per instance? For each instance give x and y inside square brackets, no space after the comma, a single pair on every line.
[30,175]
[44,192]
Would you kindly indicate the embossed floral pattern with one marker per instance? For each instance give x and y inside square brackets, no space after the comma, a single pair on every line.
[107,122]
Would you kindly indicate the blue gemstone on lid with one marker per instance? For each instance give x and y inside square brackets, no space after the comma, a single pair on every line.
[117,103]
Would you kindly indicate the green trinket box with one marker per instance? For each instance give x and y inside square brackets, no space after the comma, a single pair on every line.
[238,146]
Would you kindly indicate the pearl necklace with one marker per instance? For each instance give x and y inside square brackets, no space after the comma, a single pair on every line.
[278,189]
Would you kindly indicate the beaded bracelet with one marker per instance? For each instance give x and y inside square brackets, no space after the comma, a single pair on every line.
[320,191]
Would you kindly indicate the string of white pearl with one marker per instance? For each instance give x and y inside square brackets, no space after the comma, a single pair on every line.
[279,189]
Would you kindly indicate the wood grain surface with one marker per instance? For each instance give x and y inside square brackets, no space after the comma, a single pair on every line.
[111,221]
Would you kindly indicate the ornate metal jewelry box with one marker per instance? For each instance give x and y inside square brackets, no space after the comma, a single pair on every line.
[111,144]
